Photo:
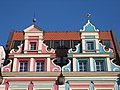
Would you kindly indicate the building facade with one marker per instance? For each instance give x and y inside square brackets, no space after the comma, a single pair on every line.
[91,56]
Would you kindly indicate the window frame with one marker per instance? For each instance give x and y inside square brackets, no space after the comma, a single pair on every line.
[41,65]
[82,66]
[41,60]
[99,66]
[22,60]
[90,46]
[23,70]
[35,46]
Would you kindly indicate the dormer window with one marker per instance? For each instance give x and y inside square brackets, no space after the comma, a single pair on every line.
[32,45]
[90,46]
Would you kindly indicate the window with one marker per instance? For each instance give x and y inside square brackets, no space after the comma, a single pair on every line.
[17,43]
[39,66]
[82,66]
[33,46]
[106,43]
[23,66]
[90,45]
[99,65]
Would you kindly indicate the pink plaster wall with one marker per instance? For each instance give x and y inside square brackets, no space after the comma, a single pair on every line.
[7,68]
[104,85]
[53,67]
[34,30]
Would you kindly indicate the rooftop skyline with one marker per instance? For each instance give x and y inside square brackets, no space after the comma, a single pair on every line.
[64,15]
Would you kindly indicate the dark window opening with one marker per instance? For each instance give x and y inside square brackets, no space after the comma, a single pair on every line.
[17,43]
[90,45]
[82,66]
[39,66]
[23,66]
[107,43]
[32,45]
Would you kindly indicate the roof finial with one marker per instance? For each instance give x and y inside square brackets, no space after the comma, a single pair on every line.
[88,15]
[34,19]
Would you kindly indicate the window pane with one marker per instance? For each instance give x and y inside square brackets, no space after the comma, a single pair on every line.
[33,46]
[99,66]
[90,45]
[39,66]
[82,66]
[23,67]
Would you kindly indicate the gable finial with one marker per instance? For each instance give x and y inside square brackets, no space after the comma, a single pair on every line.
[34,19]
[88,15]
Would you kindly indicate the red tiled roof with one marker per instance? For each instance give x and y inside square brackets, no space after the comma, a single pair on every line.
[61,36]
[17,36]
[105,35]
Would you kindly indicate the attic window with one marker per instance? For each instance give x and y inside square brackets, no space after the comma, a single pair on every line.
[17,43]
[106,43]
[32,45]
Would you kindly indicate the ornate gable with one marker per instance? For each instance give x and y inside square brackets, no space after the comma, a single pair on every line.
[89,27]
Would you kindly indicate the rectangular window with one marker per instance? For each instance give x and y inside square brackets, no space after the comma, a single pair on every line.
[39,66]
[17,43]
[23,66]
[90,45]
[99,65]
[32,45]
[82,66]
[106,43]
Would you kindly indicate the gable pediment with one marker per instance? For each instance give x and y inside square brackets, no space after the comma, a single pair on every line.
[33,28]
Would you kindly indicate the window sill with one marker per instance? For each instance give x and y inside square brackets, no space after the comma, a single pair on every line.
[32,50]
[90,50]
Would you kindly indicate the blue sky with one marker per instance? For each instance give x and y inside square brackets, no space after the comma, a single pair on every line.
[58,15]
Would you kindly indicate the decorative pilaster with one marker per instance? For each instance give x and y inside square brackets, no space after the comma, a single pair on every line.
[30,87]
[91,86]
[48,64]
[97,46]
[26,45]
[116,86]
[15,65]
[39,46]
[31,64]
[108,64]
[56,87]
[6,85]
[91,64]
[74,64]
[83,46]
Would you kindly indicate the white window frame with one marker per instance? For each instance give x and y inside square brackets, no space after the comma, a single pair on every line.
[100,69]
[33,46]
[83,70]
[41,65]
[90,45]
[23,66]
